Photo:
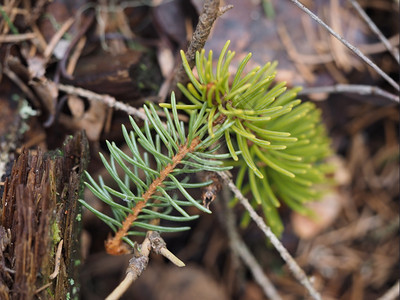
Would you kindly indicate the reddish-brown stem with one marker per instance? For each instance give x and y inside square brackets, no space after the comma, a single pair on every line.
[114,245]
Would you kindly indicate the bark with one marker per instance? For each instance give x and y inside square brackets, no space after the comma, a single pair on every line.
[39,209]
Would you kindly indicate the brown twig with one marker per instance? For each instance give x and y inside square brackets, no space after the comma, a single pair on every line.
[106,99]
[114,245]
[298,273]
[63,62]
[138,263]
[57,37]
[211,11]
[21,84]
[15,38]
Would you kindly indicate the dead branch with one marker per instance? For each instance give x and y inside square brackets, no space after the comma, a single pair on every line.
[106,99]
[394,51]
[139,262]
[392,293]
[211,11]
[298,273]
[348,45]
[239,247]
[351,88]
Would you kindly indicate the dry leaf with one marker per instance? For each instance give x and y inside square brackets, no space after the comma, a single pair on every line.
[76,106]
[326,211]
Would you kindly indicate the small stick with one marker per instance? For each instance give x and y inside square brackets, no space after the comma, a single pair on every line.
[291,51]
[160,247]
[211,11]
[239,247]
[56,38]
[171,257]
[57,261]
[107,99]
[75,55]
[14,38]
[298,272]
[43,287]
[348,45]
[21,84]
[138,263]
[392,293]
[351,88]
[136,266]
[375,29]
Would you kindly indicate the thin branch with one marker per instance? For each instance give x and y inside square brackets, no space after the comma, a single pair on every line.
[352,88]
[392,293]
[240,248]
[315,59]
[211,11]
[375,29]
[57,37]
[106,99]
[160,247]
[114,245]
[348,45]
[21,84]
[15,38]
[139,262]
[298,273]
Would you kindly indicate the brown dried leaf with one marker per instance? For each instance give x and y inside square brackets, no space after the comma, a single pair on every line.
[326,211]
[76,106]
[92,121]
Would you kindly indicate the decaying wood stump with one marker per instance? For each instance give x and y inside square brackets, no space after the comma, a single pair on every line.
[39,209]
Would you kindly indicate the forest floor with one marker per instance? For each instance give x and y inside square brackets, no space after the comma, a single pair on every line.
[63,62]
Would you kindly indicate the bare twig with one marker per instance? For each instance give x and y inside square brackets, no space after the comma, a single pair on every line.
[315,59]
[203,29]
[348,45]
[138,263]
[106,99]
[57,37]
[21,84]
[43,287]
[375,29]
[298,273]
[160,247]
[392,293]
[240,248]
[211,11]
[351,88]
[14,38]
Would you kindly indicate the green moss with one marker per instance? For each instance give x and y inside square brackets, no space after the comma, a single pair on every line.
[56,232]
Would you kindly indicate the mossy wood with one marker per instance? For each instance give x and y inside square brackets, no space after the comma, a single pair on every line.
[39,208]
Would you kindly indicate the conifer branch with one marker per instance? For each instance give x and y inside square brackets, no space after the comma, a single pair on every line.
[114,245]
